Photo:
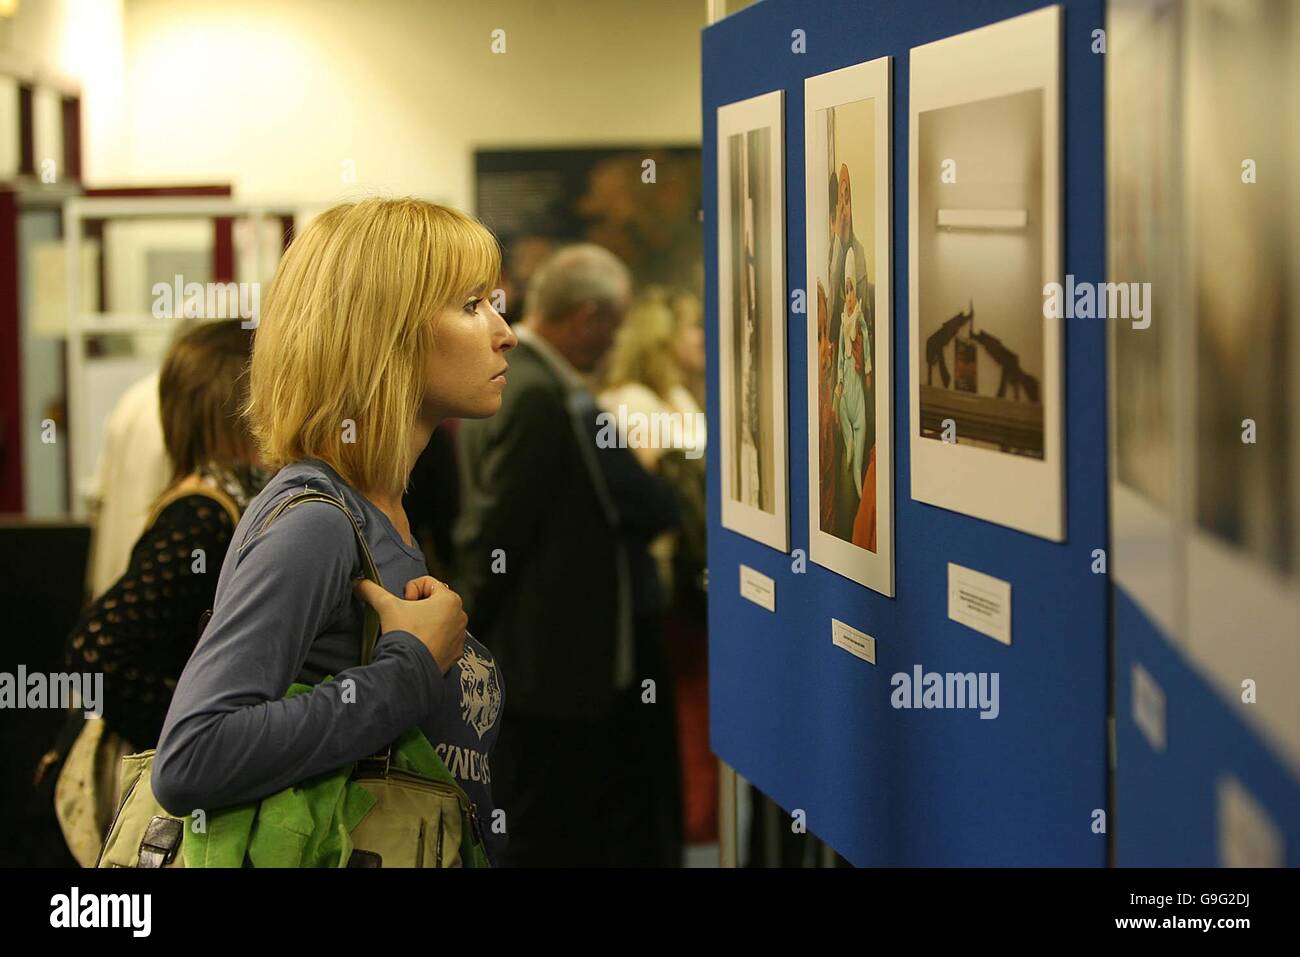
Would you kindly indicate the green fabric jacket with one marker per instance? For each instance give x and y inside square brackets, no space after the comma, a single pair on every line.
[308,824]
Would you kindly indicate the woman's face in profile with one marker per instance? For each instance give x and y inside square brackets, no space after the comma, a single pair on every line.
[467,365]
[689,344]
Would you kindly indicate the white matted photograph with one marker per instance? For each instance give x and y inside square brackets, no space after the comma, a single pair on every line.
[987,404]
[1145,228]
[850,412]
[751,317]
[1243,363]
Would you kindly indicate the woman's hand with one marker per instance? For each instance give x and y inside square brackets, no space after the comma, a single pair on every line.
[432,612]
[422,587]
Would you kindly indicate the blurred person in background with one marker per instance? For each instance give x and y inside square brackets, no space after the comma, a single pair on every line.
[433,498]
[549,545]
[133,471]
[140,631]
[656,364]
[688,343]
[659,350]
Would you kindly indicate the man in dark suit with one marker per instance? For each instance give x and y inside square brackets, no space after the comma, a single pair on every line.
[546,557]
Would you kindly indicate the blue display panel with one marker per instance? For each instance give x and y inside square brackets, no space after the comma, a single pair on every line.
[813,726]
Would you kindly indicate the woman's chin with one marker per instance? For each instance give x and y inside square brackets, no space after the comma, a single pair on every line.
[484,409]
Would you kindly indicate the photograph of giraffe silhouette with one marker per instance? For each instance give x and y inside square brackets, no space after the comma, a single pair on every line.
[981,318]
[985,227]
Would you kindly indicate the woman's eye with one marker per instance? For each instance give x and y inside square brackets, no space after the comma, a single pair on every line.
[472,306]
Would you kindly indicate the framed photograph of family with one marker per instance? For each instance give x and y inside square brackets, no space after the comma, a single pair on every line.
[751,319]
[850,410]
[984,196]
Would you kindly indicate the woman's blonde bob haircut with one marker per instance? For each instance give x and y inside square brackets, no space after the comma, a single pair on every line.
[342,349]
[644,351]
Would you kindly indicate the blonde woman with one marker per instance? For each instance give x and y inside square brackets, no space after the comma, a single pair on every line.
[658,352]
[375,328]
[655,369]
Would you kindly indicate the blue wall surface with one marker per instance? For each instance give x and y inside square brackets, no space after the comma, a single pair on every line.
[811,725]
[1166,801]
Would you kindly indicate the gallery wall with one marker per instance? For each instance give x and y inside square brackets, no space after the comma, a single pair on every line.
[372,83]
[1191,644]
[811,725]
[172,90]
[1206,556]
[82,42]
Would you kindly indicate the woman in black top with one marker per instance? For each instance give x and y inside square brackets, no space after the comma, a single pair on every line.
[141,631]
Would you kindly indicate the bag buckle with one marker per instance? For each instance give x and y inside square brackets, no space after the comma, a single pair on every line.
[161,840]
[379,763]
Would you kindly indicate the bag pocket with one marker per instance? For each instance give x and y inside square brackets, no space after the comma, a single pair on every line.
[142,833]
[415,822]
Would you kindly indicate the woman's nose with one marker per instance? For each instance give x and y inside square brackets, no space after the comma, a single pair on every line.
[508,340]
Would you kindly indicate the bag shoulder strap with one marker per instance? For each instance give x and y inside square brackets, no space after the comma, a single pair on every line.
[370,626]
[203,491]
[472,842]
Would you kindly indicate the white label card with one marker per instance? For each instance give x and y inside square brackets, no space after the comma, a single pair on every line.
[758,588]
[1148,707]
[980,601]
[855,642]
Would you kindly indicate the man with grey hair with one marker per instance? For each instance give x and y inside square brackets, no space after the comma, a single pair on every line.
[576,302]
[546,553]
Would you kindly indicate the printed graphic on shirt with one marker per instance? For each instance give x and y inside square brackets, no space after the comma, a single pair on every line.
[480,693]
[465,763]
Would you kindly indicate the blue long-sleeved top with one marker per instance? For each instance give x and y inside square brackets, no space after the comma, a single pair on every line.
[284,612]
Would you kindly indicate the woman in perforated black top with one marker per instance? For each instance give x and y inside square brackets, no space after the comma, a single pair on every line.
[141,631]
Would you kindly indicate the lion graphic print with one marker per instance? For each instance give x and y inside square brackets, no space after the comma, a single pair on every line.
[480,692]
